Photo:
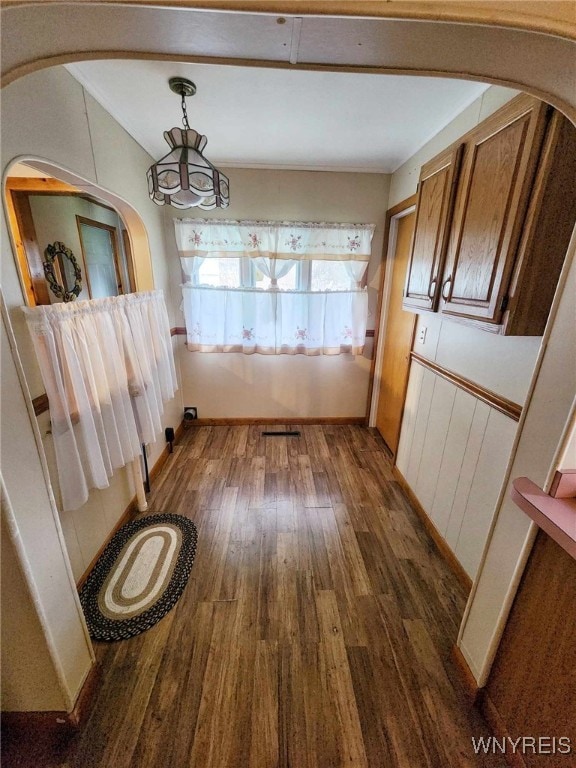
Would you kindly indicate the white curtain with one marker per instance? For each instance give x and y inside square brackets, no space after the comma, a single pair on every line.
[274,239]
[274,269]
[108,367]
[274,321]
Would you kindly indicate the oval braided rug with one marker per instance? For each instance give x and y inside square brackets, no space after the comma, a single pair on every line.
[139,576]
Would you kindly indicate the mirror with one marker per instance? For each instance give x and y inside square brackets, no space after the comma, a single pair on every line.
[43,210]
[62,272]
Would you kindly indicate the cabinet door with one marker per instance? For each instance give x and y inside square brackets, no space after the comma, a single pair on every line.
[497,173]
[433,212]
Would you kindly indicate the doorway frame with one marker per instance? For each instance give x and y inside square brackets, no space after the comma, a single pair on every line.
[21,229]
[393,216]
[112,231]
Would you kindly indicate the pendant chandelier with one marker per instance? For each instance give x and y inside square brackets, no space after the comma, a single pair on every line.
[184,178]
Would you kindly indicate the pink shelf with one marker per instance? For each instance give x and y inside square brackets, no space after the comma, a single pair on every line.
[557,517]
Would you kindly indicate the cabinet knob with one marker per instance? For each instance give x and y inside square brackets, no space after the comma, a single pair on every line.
[445,284]
[432,288]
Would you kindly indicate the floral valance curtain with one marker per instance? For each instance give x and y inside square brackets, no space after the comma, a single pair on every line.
[108,367]
[239,316]
[274,239]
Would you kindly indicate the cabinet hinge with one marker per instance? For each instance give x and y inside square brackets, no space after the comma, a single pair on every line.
[504,303]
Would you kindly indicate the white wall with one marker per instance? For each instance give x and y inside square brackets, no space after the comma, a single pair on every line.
[233,385]
[50,645]
[27,665]
[76,134]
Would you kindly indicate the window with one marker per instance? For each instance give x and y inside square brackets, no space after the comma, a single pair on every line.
[274,287]
[219,272]
[329,276]
[288,282]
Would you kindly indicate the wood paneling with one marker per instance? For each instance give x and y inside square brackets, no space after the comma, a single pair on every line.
[397,343]
[316,628]
[533,679]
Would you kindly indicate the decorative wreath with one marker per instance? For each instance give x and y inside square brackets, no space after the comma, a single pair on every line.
[51,253]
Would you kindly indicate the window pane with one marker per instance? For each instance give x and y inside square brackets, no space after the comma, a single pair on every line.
[220,272]
[329,276]
[287,282]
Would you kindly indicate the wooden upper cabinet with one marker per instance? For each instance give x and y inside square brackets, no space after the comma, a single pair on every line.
[499,166]
[433,212]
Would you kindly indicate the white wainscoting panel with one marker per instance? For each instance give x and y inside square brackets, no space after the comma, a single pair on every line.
[409,418]
[421,425]
[483,496]
[453,453]
[435,441]
[452,458]
[467,472]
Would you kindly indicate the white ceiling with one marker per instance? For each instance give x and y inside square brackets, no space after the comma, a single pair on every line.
[281,118]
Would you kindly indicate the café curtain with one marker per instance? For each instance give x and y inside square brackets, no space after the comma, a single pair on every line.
[272,321]
[108,368]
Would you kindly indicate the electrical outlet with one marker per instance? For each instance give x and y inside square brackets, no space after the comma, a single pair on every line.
[422,334]
[190,413]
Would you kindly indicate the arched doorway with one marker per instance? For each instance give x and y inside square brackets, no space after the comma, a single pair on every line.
[539,63]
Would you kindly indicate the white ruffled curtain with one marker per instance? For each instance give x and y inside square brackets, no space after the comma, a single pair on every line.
[252,320]
[275,322]
[108,367]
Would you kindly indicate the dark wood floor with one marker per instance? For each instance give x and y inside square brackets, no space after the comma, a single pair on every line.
[315,630]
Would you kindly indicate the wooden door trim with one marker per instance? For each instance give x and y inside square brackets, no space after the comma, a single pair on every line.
[404,208]
[29,256]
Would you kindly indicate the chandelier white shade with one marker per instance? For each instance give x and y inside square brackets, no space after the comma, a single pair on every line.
[184,178]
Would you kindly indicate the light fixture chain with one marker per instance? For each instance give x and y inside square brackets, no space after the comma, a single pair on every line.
[185,114]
